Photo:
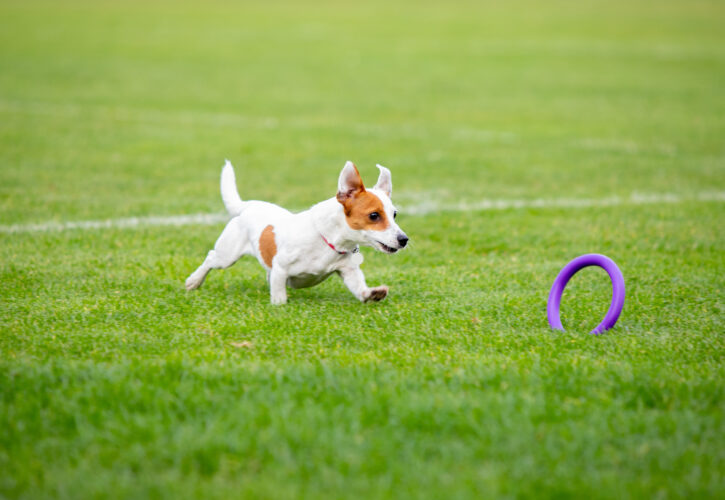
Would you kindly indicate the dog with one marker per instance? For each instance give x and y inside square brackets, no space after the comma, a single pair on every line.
[303,249]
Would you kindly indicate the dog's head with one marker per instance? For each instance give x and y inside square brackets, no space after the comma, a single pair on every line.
[369,211]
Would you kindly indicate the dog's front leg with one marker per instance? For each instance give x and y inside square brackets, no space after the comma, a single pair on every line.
[278,285]
[354,280]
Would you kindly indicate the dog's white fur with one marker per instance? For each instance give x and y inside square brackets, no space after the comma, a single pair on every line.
[303,257]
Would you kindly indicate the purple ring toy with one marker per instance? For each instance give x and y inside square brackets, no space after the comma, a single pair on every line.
[557,289]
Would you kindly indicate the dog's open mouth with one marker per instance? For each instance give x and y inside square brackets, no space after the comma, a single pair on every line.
[385,248]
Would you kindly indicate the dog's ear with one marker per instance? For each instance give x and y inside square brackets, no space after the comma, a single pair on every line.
[349,184]
[385,181]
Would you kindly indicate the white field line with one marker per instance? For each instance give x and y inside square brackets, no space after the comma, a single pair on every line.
[506,204]
[415,210]
[123,223]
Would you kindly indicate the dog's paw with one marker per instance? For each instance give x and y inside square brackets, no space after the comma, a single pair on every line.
[193,283]
[376,294]
[278,300]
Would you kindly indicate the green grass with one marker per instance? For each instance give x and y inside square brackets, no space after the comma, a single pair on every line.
[115,382]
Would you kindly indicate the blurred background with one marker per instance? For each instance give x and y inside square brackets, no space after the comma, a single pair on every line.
[129,108]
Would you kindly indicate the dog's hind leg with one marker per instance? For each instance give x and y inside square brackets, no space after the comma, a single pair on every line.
[229,248]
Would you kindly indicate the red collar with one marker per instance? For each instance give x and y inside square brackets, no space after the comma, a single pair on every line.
[332,246]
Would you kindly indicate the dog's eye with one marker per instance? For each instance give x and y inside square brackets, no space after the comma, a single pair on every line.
[374,216]
[395,214]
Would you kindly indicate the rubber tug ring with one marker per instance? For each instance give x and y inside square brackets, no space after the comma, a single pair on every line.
[573,267]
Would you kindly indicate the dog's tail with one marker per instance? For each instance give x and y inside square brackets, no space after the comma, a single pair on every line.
[230,195]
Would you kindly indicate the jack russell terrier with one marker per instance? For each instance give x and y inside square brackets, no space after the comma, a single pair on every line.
[302,250]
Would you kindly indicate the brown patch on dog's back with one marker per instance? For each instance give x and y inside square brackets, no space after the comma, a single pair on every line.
[267,245]
[358,209]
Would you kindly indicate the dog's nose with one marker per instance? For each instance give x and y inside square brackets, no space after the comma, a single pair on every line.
[402,240]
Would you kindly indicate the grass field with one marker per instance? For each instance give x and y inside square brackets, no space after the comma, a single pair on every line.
[115,382]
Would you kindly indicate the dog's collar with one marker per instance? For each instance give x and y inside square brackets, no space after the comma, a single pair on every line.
[355,250]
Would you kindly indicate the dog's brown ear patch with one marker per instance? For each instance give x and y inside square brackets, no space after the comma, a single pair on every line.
[267,245]
[360,208]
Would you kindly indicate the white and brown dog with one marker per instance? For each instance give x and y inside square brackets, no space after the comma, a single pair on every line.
[302,250]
